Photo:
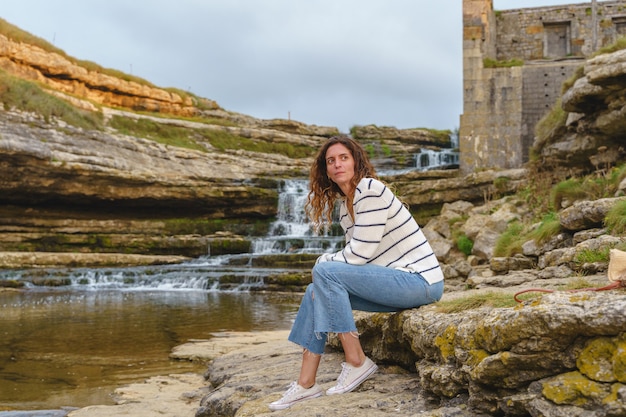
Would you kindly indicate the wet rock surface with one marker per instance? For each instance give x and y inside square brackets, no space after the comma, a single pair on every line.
[560,354]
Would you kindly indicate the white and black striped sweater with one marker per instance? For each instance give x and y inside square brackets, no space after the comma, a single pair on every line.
[384,233]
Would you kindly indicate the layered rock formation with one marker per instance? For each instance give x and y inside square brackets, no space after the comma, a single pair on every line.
[591,136]
[561,355]
[66,188]
[63,188]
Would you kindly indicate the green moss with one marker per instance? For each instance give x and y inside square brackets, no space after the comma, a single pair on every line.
[11,283]
[492,63]
[205,227]
[99,242]
[290,279]
[614,396]
[301,260]
[225,246]
[51,282]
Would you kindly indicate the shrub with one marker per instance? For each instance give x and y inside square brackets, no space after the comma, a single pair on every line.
[592,255]
[550,226]
[550,123]
[510,242]
[464,244]
[615,220]
[570,189]
[588,188]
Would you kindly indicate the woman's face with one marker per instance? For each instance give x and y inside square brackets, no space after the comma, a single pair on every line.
[340,166]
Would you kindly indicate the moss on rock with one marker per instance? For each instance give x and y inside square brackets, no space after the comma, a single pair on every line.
[573,388]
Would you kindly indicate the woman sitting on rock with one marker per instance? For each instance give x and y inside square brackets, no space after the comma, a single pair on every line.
[386,265]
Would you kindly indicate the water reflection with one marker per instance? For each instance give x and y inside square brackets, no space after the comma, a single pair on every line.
[72,348]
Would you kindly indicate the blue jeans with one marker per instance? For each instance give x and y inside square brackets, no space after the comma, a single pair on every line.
[338,288]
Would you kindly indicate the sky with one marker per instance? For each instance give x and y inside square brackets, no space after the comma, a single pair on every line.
[336,63]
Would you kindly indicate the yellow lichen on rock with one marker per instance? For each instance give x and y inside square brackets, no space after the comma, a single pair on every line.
[596,361]
[604,359]
[445,343]
[574,388]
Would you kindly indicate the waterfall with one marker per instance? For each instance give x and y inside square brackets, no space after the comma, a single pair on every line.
[443,158]
[429,159]
[291,232]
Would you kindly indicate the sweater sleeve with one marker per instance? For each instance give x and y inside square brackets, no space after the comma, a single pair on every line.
[370,212]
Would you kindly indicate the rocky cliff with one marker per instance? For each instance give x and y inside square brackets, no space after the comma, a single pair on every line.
[110,188]
[159,171]
[558,356]
[586,132]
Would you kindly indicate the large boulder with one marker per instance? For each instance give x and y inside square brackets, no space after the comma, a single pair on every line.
[592,138]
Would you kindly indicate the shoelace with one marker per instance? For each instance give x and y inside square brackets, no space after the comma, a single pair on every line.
[345,370]
[292,388]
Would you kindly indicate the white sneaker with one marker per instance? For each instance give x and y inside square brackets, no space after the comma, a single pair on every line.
[351,377]
[295,394]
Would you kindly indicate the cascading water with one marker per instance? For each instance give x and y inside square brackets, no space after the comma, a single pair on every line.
[429,159]
[133,315]
[291,232]
[444,158]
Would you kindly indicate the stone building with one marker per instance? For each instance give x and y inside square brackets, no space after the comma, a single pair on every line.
[543,46]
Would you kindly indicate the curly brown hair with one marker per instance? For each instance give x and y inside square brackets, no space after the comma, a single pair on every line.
[324,192]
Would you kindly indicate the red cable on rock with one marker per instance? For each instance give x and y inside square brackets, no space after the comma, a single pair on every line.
[616,275]
[611,286]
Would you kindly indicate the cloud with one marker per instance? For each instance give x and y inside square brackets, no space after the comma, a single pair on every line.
[325,62]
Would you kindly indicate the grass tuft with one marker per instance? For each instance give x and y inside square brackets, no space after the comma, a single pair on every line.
[29,96]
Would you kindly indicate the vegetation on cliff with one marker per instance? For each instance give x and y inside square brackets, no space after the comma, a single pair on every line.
[545,199]
[15,33]
[28,96]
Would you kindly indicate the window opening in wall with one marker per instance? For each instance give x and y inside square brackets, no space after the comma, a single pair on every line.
[620,26]
[557,37]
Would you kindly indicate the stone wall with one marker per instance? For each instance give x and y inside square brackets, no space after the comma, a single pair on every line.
[491,122]
[532,34]
[540,90]
[501,106]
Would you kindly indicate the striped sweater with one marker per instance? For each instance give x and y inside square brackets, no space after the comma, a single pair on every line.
[384,233]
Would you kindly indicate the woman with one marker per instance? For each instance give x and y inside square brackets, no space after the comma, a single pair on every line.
[386,265]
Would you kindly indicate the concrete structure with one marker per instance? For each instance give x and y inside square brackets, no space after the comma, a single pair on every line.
[502,105]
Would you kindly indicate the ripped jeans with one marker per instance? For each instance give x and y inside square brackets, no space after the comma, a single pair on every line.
[338,288]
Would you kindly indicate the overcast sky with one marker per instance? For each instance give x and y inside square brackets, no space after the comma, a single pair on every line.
[326,62]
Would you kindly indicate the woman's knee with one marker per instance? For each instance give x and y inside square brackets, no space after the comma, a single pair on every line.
[309,291]
[322,271]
